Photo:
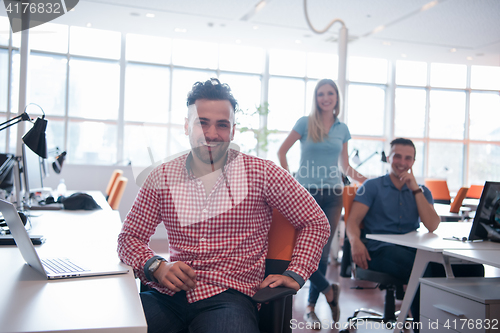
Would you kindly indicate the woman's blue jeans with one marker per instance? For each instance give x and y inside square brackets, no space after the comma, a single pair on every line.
[330,202]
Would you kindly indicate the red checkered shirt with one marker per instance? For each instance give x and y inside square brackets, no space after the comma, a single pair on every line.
[222,235]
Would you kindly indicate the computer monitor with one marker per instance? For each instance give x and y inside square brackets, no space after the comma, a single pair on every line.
[32,171]
[7,163]
[486,224]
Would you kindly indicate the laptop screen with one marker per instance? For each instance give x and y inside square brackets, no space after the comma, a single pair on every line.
[487,219]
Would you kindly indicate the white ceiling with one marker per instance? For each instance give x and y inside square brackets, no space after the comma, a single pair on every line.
[394,29]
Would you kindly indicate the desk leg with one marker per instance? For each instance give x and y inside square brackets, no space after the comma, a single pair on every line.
[422,258]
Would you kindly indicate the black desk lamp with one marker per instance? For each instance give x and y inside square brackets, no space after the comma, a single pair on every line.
[57,164]
[35,138]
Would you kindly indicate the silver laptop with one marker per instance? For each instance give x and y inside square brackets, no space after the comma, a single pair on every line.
[51,268]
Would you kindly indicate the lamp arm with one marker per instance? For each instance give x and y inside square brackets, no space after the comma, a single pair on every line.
[327,27]
[22,117]
[363,162]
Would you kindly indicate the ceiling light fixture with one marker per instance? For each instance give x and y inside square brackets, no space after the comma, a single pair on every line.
[378,29]
[89,25]
[258,7]
[386,43]
[429,5]
[180,30]
[150,15]
[453,50]
[469,58]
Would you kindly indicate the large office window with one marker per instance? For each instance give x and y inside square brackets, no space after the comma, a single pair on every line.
[365,109]
[94,88]
[48,82]
[112,98]
[286,102]
[410,111]
[447,114]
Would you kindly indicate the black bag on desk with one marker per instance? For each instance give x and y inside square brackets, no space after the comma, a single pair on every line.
[79,201]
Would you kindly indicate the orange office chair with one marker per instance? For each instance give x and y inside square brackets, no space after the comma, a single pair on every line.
[275,316]
[114,176]
[439,190]
[116,193]
[475,191]
[457,201]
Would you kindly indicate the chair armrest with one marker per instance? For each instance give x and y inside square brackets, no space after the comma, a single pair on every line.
[268,294]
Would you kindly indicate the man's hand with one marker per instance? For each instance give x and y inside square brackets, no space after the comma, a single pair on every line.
[176,276]
[409,179]
[276,280]
[360,254]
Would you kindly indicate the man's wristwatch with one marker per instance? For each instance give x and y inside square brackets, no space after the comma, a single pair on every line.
[419,190]
[153,266]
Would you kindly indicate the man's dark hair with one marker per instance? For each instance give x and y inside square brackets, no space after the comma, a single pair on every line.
[212,90]
[404,142]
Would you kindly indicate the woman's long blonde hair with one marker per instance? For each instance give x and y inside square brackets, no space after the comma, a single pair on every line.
[316,131]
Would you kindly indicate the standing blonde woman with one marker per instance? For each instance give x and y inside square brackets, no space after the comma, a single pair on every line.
[323,141]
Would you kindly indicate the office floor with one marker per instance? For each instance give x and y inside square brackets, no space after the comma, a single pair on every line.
[350,300]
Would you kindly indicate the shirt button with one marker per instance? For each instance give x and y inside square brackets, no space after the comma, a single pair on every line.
[401,204]
[400,217]
[204,210]
[203,239]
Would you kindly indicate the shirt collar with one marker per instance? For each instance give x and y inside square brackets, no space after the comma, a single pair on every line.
[386,181]
[230,156]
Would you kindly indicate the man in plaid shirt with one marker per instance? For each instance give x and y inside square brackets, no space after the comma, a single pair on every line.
[216,205]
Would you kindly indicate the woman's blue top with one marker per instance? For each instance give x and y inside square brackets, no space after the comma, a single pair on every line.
[319,167]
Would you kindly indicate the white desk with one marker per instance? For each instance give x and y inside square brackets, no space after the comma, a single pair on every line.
[30,303]
[430,248]
[486,257]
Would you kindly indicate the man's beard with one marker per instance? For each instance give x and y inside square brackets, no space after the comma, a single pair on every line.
[211,156]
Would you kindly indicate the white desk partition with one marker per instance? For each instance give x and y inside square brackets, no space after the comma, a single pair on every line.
[434,247]
[30,303]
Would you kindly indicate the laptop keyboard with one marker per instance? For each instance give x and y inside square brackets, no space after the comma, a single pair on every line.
[61,266]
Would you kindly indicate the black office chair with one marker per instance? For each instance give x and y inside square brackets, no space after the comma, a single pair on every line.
[394,290]
[392,286]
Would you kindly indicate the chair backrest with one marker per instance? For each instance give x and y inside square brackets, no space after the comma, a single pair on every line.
[117,192]
[457,202]
[282,236]
[348,198]
[114,176]
[439,190]
[475,191]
